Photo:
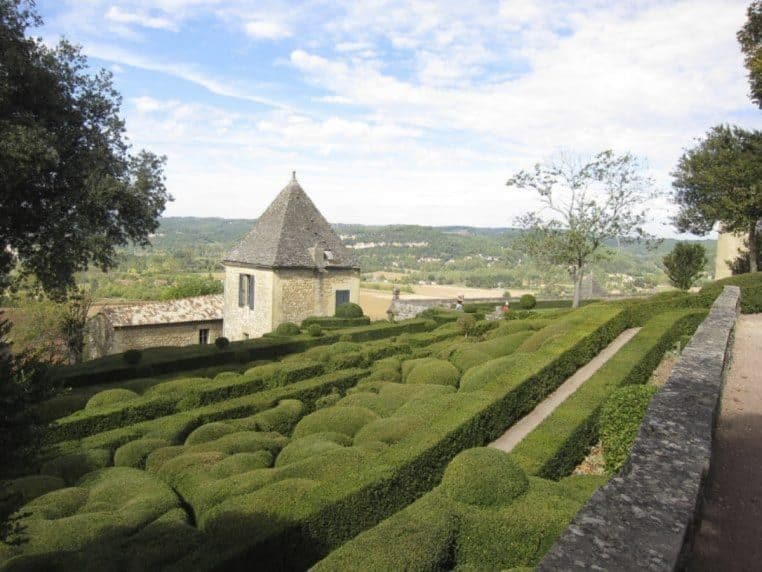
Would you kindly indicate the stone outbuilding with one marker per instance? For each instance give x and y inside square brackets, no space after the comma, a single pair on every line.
[290,266]
[182,322]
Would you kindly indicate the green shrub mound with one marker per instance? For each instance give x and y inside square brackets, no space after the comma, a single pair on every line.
[314,330]
[346,420]
[221,342]
[106,508]
[479,376]
[33,486]
[134,453]
[110,397]
[287,329]
[751,291]
[385,374]
[503,345]
[327,400]
[513,327]
[527,302]
[484,477]
[132,357]
[389,430]
[239,463]
[241,442]
[312,445]
[621,416]
[468,356]
[71,467]
[434,372]
[349,310]
[281,418]
[209,432]
[176,387]
[410,364]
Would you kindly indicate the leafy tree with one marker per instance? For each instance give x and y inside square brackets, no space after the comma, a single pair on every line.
[187,286]
[720,181]
[585,203]
[70,191]
[685,264]
[750,38]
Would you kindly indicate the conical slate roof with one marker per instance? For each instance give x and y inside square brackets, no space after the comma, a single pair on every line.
[292,233]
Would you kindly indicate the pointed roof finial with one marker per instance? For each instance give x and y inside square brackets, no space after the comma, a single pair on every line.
[293,175]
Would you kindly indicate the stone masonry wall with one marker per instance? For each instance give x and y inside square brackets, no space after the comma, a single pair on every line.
[242,322]
[403,309]
[299,294]
[141,337]
[645,517]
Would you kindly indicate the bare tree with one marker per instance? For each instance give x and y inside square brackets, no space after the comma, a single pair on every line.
[585,203]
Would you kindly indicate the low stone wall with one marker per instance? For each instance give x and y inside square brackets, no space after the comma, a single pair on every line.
[404,309]
[645,518]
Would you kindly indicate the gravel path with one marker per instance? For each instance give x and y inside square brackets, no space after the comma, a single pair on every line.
[508,440]
[730,534]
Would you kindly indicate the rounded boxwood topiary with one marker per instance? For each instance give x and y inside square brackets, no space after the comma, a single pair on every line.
[222,342]
[389,430]
[466,324]
[349,310]
[132,357]
[484,477]
[110,397]
[346,420]
[434,372]
[465,358]
[287,329]
[311,446]
[527,302]
[479,376]
[209,432]
[73,466]
[134,453]
[315,330]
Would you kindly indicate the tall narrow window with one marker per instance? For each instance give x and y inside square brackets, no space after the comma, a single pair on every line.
[203,337]
[250,291]
[242,281]
[342,297]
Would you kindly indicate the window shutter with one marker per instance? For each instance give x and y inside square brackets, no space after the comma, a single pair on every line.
[241,290]
[251,291]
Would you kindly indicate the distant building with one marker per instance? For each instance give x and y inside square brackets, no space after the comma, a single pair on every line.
[290,266]
[729,247]
[115,329]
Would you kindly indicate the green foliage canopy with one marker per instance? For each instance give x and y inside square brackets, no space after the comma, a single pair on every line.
[685,264]
[70,191]
[719,181]
[750,38]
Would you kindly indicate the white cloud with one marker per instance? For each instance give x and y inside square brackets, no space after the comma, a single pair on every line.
[266,30]
[116,14]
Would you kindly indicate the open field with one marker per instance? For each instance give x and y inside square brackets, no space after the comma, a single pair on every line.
[375,302]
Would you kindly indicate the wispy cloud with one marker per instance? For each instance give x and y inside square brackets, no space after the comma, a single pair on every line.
[116,14]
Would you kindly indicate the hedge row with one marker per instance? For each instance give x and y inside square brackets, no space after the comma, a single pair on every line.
[178,395]
[333,323]
[562,440]
[157,361]
[362,490]
[486,515]
[176,427]
[751,291]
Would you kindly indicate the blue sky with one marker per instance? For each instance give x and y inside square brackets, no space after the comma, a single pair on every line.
[407,112]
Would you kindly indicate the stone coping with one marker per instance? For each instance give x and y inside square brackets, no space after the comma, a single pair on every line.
[645,517]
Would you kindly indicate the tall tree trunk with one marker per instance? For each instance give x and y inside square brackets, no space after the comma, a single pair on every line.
[753,254]
[578,275]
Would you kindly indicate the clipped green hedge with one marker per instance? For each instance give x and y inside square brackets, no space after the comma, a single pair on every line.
[354,488]
[751,291]
[334,323]
[178,426]
[162,360]
[182,394]
[621,416]
[562,440]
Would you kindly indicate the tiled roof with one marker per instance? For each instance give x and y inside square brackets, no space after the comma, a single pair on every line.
[195,309]
[292,233]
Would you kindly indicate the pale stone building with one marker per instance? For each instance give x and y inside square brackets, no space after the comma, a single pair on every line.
[290,266]
[115,329]
[729,247]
